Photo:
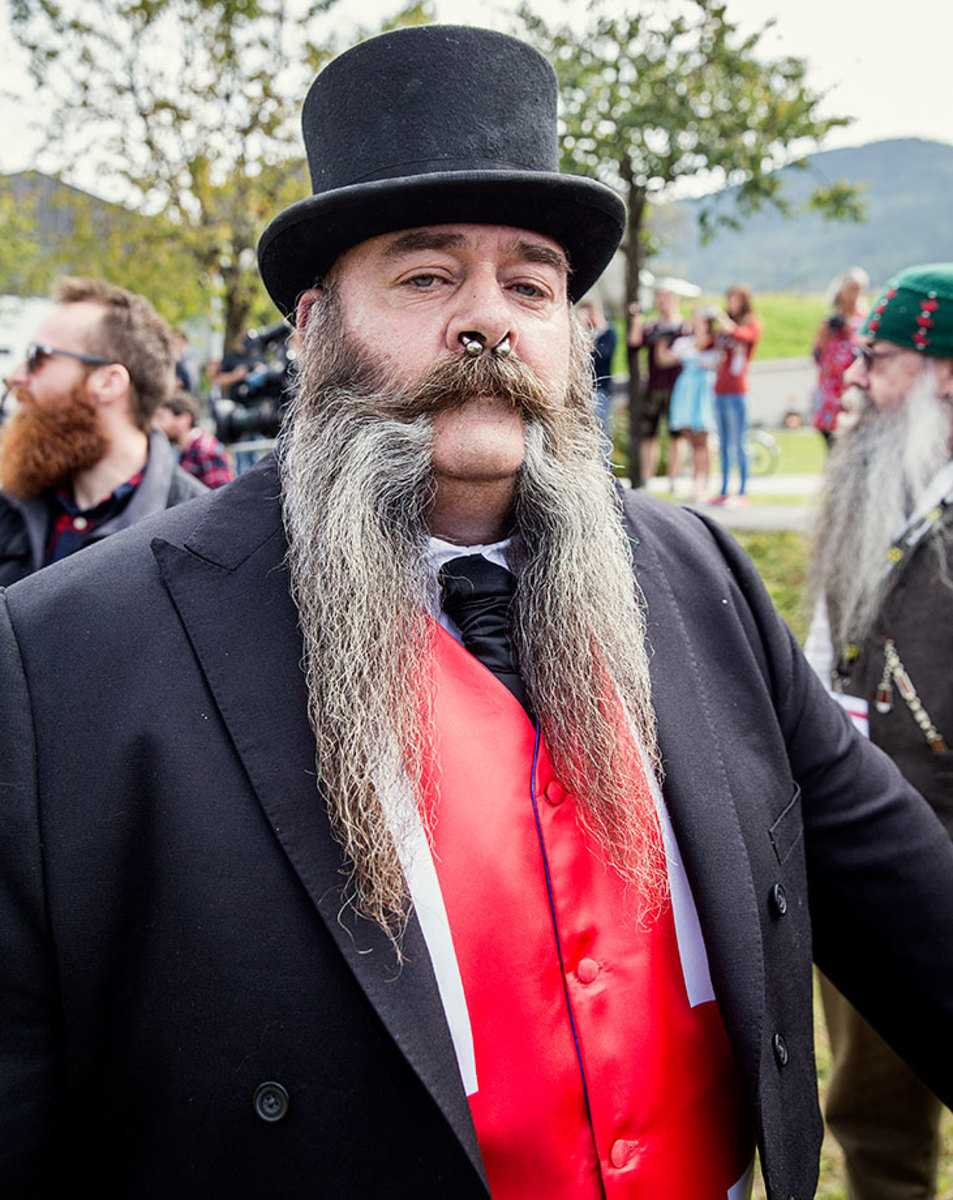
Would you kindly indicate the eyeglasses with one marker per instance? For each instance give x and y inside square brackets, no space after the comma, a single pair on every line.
[36,356]
[870,356]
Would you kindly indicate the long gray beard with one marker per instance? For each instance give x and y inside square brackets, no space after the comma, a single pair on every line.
[357,486]
[876,476]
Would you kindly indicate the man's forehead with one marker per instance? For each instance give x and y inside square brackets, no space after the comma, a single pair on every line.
[70,323]
[503,240]
[881,344]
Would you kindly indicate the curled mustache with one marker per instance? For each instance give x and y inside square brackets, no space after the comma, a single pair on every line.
[454,381]
[450,383]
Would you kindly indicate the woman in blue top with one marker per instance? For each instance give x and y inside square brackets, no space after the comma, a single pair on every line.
[692,411]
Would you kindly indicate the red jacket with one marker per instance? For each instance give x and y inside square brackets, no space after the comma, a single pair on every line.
[738,347]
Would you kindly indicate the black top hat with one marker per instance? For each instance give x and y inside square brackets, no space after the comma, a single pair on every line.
[431,125]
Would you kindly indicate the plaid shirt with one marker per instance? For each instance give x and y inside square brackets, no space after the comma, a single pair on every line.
[72,527]
[207,459]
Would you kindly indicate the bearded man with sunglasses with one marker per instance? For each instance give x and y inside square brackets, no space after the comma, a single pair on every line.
[78,457]
[882,637]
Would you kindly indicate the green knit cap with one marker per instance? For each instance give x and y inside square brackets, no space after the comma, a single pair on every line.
[916,310]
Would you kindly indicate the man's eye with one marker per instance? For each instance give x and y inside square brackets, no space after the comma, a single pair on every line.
[527,289]
[423,281]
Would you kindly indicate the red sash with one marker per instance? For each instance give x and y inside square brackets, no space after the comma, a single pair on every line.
[595,1075]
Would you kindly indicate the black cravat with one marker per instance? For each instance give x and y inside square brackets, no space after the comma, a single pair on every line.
[477,595]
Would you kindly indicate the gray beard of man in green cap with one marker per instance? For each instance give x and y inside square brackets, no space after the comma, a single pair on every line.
[883,570]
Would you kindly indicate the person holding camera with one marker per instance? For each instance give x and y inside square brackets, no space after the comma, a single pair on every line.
[657,337]
[834,347]
[738,333]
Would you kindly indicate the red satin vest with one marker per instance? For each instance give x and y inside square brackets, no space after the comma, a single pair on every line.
[595,1076]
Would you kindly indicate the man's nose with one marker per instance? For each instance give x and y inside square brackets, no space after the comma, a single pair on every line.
[483,316]
[19,377]
[856,373]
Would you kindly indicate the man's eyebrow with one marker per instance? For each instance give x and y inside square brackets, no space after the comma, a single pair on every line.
[544,255]
[423,239]
[435,239]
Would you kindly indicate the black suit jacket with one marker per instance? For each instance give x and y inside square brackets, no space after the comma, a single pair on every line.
[172,934]
[915,614]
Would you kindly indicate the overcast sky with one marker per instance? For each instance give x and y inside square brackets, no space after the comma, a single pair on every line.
[887,66]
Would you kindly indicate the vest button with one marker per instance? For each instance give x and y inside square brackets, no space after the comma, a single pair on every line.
[780,899]
[620,1153]
[587,970]
[271,1101]
[780,1050]
[555,793]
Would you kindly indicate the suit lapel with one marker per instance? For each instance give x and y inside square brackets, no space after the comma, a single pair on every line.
[230,588]
[703,812]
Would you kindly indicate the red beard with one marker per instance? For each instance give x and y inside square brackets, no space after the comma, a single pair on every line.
[44,448]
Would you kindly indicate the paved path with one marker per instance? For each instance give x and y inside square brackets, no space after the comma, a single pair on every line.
[758,516]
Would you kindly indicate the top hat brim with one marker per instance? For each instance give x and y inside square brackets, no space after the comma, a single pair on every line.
[583,216]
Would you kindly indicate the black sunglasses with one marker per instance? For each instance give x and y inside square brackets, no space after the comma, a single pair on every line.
[36,356]
[871,356]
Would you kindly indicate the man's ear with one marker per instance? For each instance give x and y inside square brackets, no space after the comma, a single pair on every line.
[305,303]
[109,385]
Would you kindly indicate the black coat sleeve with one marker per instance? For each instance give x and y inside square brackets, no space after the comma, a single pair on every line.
[28,1011]
[15,555]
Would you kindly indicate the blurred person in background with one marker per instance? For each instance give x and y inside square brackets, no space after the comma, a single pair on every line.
[201,454]
[184,374]
[834,346]
[691,413]
[236,364]
[660,378]
[882,638]
[603,338]
[739,333]
[233,378]
[78,458]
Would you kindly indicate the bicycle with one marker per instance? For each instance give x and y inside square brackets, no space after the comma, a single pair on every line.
[761,448]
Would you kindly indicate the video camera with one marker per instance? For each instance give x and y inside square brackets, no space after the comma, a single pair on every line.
[256,404]
[662,331]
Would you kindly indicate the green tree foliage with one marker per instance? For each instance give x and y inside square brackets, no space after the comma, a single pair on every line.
[23,269]
[189,111]
[668,91]
[52,229]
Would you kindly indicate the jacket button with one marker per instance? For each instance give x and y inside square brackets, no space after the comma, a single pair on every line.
[588,970]
[780,1050]
[555,793]
[780,899]
[271,1101]
[621,1152]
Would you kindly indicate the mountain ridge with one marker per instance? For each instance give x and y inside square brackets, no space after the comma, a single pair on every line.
[909,182]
